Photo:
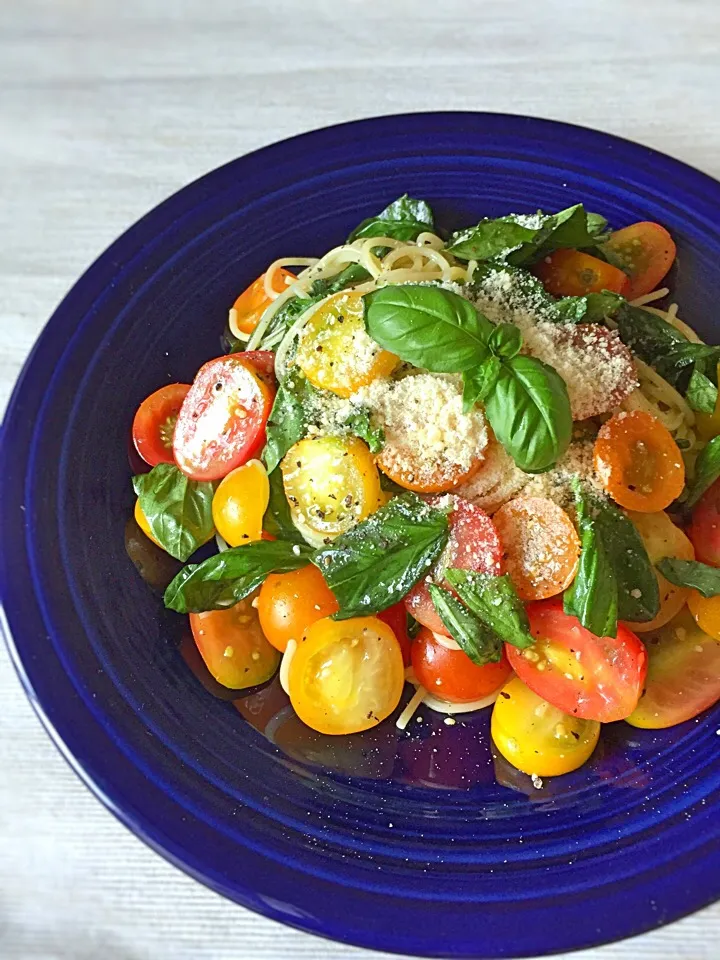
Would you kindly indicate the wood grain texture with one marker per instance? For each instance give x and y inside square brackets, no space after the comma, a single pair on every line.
[104,110]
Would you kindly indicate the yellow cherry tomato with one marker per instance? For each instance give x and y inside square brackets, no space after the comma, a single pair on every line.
[331,483]
[335,352]
[683,677]
[346,675]
[706,611]
[142,522]
[240,502]
[233,646]
[536,737]
[662,539]
[290,602]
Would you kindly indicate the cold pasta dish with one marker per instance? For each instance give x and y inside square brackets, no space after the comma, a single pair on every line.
[455,472]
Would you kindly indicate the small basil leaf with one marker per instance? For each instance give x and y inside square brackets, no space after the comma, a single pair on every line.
[505,341]
[495,602]
[381,559]
[570,228]
[691,573]
[529,411]
[593,595]
[707,470]
[470,633]
[592,308]
[288,420]
[404,219]
[490,239]
[427,326]
[348,277]
[360,424]
[278,520]
[178,510]
[226,578]
[701,394]
[281,322]
[480,382]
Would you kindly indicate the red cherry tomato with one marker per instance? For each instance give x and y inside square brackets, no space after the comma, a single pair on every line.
[262,360]
[594,678]
[646,252]
[451,674]
[473,544]
[705,527]
[396,618]
[221,424]
[154,423]
[572,273]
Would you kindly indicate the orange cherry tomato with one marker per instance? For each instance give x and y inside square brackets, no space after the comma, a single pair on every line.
[638,462]
[233,646]
[396,618]
[289,603]
[254,301]
[441,479]
[450,674]
[706,611]
[704,529]
[646,251]
[154,423]
[572,273]
[540,544]
[240,502]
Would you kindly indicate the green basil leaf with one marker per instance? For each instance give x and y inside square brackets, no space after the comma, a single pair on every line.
[226,578]
[701,394]
[707,471]
[278,520]
[427,326]
[505,341]
[348,277]
[480,382]
[404,219]
[495,602]
[691,573]
[178,510]
[380,560]
[592,308]
[360,424]
[288,420]
[529,411]
[491,239]
[468,630]
[637,587]
[593,595]
[679,363]
[282,320]
[572,228]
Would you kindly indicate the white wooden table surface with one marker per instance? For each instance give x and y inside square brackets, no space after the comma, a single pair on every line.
[105,108]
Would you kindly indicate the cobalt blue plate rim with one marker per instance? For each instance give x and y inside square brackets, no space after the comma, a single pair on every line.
[321,892]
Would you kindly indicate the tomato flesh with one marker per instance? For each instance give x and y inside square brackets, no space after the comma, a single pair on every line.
[154,423]
[645,251]
[396,618]
[450,674]
[572,273]
[289,603]
[704,529]
[240,502]
[473,544]
[594,678]
[221,424]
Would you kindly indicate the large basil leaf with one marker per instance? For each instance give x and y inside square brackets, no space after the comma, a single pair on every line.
[495,602]
[381,559]
[288,419]
[707,470]
[691,573]
[701,394]
[278,519]
[479,383]
[521,239]
[226,578]
[427,326]
[529,411]
[178,510]
[403,219]
[637,587]
[467,629]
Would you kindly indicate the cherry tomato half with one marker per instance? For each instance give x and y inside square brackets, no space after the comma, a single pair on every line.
[646,252]
[536,737]
[683,676]
[450,674]
[289,603]
[254,301]
[233,646]
[262,360]
[346,675]
[595,678]
[704,529]
[240,502]
[638,462]
[154,423]
[396,618]
[473,544]
[221,424]
[572,273]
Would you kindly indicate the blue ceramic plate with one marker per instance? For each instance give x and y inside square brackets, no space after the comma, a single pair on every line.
[401,842]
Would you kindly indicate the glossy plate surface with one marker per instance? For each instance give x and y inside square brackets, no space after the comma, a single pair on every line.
[401,842]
